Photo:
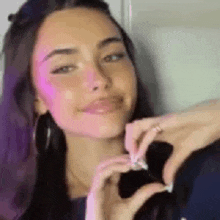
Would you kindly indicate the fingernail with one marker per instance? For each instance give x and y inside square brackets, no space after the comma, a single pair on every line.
[169,188]
[136,166]
[143,164]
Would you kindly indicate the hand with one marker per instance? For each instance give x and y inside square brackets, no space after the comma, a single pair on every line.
[187,131]
[104,202]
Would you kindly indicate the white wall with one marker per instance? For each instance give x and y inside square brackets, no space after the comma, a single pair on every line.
[6,8]
[178,43]
[188,65]
[116,9]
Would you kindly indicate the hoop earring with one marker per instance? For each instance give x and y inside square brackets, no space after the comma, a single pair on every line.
[42,133]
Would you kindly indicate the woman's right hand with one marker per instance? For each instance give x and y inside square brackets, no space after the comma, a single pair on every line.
[187,131]
[104,202]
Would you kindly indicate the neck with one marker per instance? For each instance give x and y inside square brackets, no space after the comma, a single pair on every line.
[85,154]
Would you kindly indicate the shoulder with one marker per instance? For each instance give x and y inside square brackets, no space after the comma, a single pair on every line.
[197,184]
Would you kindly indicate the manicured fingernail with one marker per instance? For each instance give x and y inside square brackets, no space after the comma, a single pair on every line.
[169,188]
[143,164]
[136,166]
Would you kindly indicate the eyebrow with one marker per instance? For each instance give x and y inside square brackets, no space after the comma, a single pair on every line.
[70,51]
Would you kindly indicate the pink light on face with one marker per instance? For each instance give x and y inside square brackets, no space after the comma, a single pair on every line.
[45,85]
[42,76]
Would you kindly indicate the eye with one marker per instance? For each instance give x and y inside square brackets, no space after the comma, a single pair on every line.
[114,57]
[63,69]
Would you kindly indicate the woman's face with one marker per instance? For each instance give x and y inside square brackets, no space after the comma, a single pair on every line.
[79,57]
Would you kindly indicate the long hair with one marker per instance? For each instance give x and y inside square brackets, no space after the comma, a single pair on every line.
[49,200]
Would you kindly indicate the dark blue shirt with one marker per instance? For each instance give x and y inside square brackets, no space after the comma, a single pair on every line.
[80,204]
[197,185]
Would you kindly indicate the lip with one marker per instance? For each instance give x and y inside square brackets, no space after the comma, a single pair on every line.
[104,105]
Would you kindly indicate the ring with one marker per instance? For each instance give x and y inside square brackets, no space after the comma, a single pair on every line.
[158,129]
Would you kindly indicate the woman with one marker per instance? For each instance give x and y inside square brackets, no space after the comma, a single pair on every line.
[71,64]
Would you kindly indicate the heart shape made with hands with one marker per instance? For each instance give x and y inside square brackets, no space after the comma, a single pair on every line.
[155,158]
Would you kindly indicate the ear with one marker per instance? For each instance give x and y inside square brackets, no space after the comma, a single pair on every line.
[40,106]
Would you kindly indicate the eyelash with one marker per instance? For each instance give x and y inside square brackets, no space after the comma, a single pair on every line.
[59,70]
[120,55]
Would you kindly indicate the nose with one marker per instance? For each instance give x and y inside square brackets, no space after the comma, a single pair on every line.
[96,78]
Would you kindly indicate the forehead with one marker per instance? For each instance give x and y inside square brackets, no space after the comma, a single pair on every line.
[78,26]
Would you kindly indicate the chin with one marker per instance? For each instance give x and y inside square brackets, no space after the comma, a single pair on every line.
[99,127]
[109,131]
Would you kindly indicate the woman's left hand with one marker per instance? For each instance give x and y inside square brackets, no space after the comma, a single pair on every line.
[104,201]
[187,131]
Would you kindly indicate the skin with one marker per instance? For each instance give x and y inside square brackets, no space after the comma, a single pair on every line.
[90,138]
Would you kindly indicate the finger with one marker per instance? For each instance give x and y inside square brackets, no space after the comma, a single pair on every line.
[134,131]
[114,179]
[113,186]
[113,159]
[173,163]
[143,194]
[150,136]
[103,175]
[182,149]
[175,120]
[129,139]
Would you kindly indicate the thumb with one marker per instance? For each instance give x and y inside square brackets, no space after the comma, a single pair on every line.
[143,194]
[173,164]
[169,169]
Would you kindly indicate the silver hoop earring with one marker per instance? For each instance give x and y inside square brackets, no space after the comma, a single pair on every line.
[42,133]
[48,137]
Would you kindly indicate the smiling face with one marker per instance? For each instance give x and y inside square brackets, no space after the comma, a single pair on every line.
[79,57]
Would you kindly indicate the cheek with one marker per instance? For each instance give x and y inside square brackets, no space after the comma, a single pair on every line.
[57,92]
[127,80]
[126,83]
[62,104]
[43,84]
